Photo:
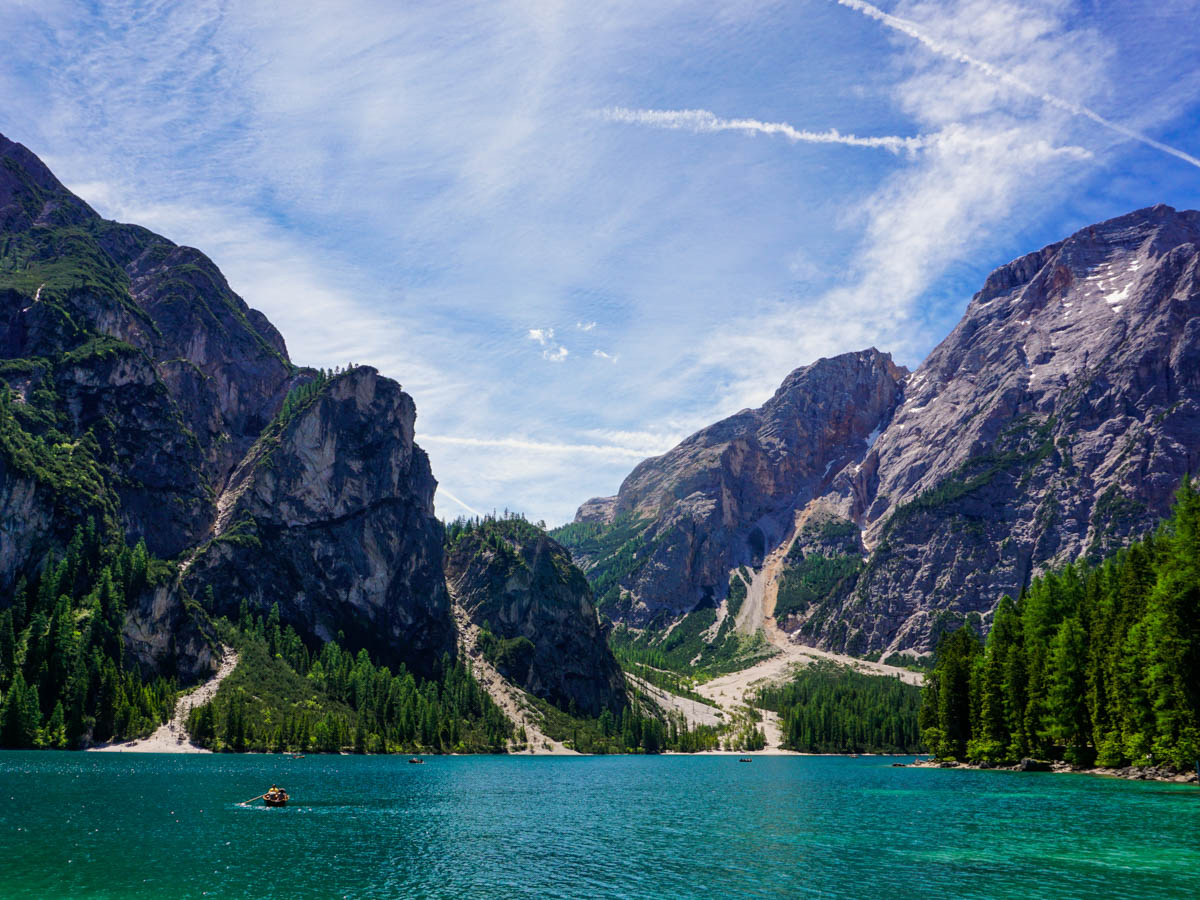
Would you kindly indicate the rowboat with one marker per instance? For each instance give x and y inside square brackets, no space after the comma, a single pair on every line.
[276,797]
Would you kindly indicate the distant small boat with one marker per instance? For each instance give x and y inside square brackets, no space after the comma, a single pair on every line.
[745,759]
[276,797]
[417,761]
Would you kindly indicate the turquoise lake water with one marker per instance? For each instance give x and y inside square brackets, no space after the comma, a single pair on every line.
[134,826]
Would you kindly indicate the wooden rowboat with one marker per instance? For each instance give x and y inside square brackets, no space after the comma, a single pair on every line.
[276,798]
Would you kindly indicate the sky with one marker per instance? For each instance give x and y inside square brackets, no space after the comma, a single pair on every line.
[577,232]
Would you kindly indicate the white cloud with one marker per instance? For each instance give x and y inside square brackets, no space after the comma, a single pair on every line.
[611,451]
[585,326]
[600,354]
[982,161]
[441,491]
[556,356]
[542,335]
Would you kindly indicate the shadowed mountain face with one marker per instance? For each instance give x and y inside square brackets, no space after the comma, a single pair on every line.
[143,393]
[1052,424]
[539,627]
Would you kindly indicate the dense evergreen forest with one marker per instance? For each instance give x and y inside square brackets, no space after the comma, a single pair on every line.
[1092,665]
[830,708]
[641,728]
[64,676]
[283,697]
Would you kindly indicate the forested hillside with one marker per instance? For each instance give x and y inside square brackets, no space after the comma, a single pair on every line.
[828,708]
[281,697]
[64,672]
[1092,665]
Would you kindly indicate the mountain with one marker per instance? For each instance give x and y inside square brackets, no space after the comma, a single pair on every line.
[1052,424]
[144,395]
[534,612]
[725,496]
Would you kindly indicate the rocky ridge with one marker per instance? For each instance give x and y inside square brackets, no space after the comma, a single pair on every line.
[1052,424]
[729,493]
[146,395]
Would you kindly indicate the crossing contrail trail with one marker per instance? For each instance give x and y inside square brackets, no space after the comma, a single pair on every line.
[951,52]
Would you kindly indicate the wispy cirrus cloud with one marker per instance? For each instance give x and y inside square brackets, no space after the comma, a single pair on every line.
[430,177]
[552,447]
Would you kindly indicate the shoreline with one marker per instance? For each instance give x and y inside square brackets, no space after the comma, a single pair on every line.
[1127,773]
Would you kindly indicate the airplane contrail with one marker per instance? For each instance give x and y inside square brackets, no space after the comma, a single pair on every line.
[904,26]
[472,510]
[701,120]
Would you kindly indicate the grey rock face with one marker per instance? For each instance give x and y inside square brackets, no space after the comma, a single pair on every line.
[1052,424]
[331,517]
[522,584]
[142,354]
[729,493]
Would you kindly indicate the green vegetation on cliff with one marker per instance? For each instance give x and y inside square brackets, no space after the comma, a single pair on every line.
[830,708]
[812,578]
[1094,664]
[65,679]
[615,550]
[696,646]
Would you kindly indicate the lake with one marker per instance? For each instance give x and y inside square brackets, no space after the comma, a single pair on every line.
[134,826]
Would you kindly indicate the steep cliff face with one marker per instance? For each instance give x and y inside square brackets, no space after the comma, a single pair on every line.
[143,393]
[330,515]
[541,630]
[729,493]
[1052,424]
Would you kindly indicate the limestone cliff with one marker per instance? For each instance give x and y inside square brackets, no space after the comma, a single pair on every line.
[729,493]
[141,392]
[1052,424]
[330,516]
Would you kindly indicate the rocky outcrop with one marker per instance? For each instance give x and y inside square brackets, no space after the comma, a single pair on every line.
[142,392]
[1053,424]
[330,516]
[538,625]
[729,493]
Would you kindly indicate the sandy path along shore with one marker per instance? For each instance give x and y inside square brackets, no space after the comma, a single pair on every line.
[172,737]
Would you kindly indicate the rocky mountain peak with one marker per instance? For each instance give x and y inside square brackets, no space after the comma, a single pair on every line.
[151,398]
[1053,423]
[726,494]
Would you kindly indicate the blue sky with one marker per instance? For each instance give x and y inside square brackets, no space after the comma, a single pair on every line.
[576,232]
